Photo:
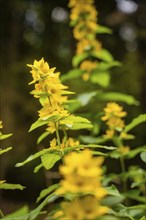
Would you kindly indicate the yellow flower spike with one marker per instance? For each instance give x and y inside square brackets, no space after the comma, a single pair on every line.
[113,110]
[86,207]
[82,174]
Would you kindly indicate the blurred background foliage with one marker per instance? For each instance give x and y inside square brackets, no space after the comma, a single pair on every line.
[32,29]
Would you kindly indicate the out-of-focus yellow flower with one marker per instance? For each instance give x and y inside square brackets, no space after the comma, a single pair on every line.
[85,45]
[115,123]
[88,65]
[86,207]
[82,174]
[113,117]
[113,110]
[70,142]
[124,149]
[109,134]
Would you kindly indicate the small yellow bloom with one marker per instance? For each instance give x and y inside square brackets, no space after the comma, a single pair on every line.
[109,134]
[86,207]
[113,110]
[124,149]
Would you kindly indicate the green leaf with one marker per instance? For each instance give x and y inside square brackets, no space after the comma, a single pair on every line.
[4,136]
[91,140]
[18,214]
[78,58]
[47,191]
[112,190]
[136,121]
[85,98]
[134,152]
[41,122]
[143,218]
[49,160]
[143,156]
[42,137]
[97,146]
[79,125]
[5,150]
[32,157]
[120,97]
[33,214]
[103,30]
[101,78]
[103,55]
[11,186]
[37,168]
[72,74]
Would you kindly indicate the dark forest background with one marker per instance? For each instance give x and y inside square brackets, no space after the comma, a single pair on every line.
[32,29]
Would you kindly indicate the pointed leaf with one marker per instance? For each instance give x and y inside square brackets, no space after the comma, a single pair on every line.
[103,55]
[5,150]
[78,58]
[115,96]
[72,74]
[136,121]
[42,137]
[32,157]
[85,98]
[103,30]
[47,191]
[11,186]
[49,160]
[4,136]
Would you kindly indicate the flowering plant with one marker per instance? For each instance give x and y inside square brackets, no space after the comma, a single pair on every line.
[86,188]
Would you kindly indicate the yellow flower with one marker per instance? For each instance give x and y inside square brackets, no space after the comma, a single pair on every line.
[88,65]
[124,149]
[84,208]
[113,110]
[116,123]
[82,174]
[70,142]
[87,45]
[109,134]
[40,69]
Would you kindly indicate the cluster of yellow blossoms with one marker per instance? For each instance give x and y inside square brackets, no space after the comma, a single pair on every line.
[52,96]
[84,19]
[113,117]
[49,89]
[82,175]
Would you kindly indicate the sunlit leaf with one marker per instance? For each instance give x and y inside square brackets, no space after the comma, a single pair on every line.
[72,74]
[119,97]
[136,121]
[103,55]
[143,156]
[32,157]
[11,186]
[42,137]
[20,214]
[5,150]
[4,136]
[85,98]
[49,160]
[78,58]
[101,78]
[41,122]
[37,168]
[47,191]
[103,30]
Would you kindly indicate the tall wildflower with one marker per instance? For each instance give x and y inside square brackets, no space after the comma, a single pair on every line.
[113,114]
[84,20]
[82,174]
